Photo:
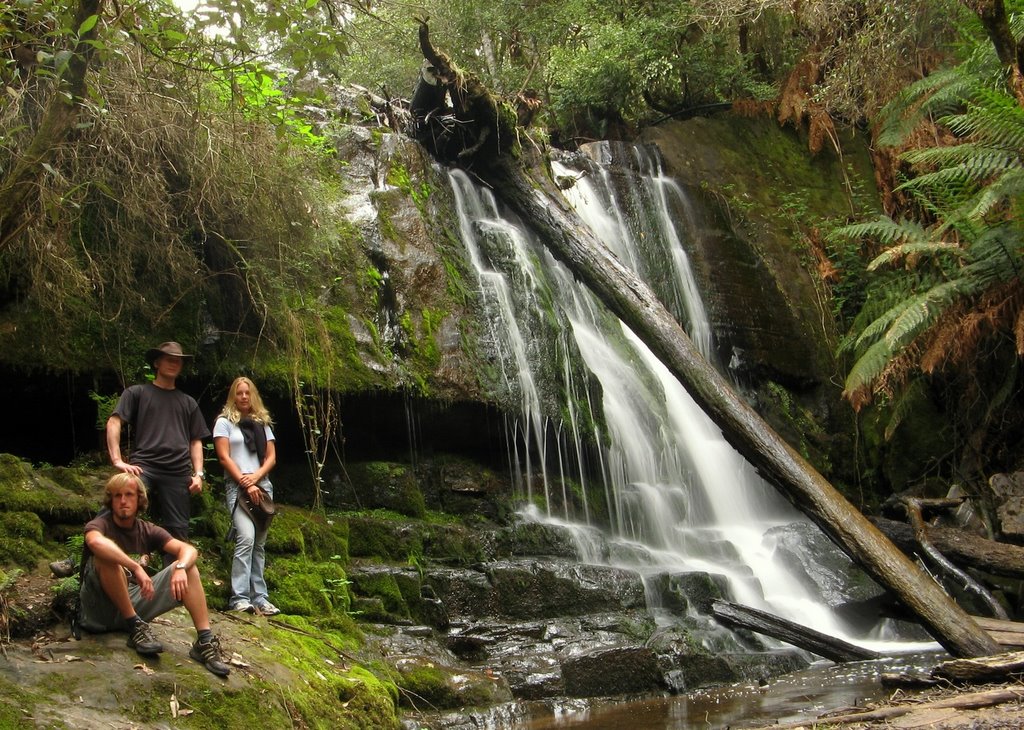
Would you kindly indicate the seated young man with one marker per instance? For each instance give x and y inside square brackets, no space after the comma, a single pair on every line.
[118,594]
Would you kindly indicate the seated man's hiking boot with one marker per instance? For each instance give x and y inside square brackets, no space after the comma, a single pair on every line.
[63,568]
[142,640]
[208,654]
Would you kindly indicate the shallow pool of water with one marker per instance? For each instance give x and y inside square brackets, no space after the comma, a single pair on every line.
[797,696]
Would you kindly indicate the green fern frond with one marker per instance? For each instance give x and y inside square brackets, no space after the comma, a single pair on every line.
[884,230]
[937,93]
[881,324]
[956,181]
[986,160]
[923,311]
[992,116]
[1007,188]
[868,368]
[929,248]
[1017,26]
[996,256]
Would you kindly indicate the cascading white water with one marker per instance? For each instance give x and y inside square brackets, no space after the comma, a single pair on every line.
[596,199]
[681,498]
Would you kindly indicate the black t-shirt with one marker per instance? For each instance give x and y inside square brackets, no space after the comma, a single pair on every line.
[142,538]
[164,423]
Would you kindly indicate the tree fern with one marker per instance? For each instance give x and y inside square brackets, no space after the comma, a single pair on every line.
[973,190]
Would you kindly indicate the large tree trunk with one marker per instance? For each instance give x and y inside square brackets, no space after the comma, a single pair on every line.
[19,187]
[538,202]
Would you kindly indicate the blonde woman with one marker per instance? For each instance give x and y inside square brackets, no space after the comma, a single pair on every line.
[244,442]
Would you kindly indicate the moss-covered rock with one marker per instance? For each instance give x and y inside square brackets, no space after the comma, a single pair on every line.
[21,539]
[387,602]
[306,587]
[387,536]
[22,489]
[422,679]
[381,485]
[285,673]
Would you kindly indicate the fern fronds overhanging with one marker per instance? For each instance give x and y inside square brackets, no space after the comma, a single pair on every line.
[959,272]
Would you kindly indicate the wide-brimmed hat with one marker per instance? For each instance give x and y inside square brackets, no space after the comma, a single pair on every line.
[164,348]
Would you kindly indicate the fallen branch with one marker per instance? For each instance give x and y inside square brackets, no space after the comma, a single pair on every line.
[914,509]
[983,669]
[813,641]
[963,548]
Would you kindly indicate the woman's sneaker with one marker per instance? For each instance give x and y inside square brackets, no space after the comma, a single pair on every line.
[243,606]
[268,609]
[142,640]
[208,654]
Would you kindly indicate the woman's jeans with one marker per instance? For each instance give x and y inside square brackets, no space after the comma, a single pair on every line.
[247,582]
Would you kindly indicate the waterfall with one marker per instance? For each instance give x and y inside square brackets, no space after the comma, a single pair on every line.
[595,402]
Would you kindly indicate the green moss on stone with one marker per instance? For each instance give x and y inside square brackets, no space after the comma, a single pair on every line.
[384,587]
[307,588]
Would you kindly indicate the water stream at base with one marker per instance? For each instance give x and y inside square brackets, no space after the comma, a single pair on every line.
[796,697]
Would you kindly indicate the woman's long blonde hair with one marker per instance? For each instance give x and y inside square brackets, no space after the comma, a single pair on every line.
[257,411]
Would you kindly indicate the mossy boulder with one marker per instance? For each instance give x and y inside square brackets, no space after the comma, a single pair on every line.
[308,588]
[74,499]
[300,532]
[380,485]
[423,679]
[381,598]
[21,539]
[285,673]
[460,486]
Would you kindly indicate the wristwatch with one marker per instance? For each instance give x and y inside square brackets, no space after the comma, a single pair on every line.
[181,566]
[200,474]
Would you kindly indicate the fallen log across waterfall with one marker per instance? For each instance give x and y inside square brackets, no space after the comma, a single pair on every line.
[494,157]
[793,633]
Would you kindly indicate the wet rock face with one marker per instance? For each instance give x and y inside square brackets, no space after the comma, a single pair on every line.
[680,592]
[760,294]
[539,627]
[823,566]
[536,589]
[615,670]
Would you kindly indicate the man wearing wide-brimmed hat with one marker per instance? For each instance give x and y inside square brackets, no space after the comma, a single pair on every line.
[168,431]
